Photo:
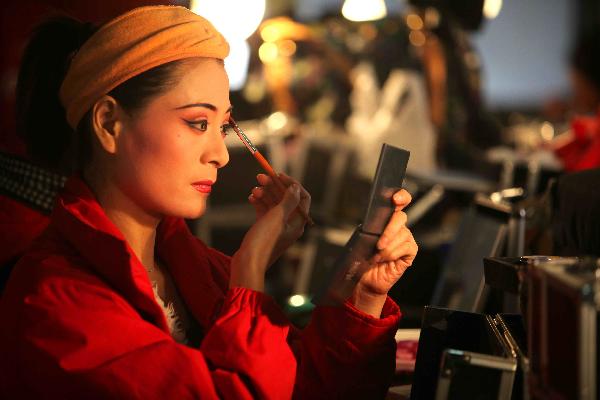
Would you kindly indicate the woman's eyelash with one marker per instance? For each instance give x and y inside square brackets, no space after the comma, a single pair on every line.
[226,129]
[201,125]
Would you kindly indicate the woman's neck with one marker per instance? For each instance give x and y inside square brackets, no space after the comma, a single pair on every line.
[137,226]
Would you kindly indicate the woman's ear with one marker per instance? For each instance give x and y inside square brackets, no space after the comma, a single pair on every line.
[107,123]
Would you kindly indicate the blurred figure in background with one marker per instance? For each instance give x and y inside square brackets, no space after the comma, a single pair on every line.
[452,70]
[581,149]
[390,98]
[305,70]
[585,73]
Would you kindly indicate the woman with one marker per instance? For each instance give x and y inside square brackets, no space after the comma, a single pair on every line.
[118,299]
[580,149]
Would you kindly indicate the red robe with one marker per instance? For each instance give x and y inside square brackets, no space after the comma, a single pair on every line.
[583,150]
[19,226]
[79,320]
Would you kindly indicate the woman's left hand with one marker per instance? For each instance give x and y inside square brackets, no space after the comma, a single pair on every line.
[267,195]
[396,251]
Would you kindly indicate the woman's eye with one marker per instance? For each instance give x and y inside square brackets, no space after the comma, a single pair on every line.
[226,129]
[201,125]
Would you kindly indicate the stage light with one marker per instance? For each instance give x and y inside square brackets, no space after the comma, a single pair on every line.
[547,131]
[235,19]
[364,10]
[277,120]
[491,8]
[270,33]
[287,48]
[297,300]
[236,64]
[417,38]
[414,22]
[268,52]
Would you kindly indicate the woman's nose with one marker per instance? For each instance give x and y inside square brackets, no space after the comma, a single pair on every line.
[216,151]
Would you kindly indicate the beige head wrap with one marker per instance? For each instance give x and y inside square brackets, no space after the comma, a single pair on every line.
[130,44]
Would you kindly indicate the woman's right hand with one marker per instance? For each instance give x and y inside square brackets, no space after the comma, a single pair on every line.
[250,262]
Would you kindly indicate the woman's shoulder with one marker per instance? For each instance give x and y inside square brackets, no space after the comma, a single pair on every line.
[51,273]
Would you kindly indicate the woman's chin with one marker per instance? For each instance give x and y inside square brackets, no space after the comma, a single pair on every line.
[197,212]
[187,212]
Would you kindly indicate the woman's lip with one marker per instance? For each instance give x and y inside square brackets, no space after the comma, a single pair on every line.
[203,186]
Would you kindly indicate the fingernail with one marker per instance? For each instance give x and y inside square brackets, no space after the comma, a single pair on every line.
[398,197]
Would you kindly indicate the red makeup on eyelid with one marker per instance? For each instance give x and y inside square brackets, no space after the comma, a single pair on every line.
[195,115]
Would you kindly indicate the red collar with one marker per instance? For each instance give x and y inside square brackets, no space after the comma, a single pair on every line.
[198,271]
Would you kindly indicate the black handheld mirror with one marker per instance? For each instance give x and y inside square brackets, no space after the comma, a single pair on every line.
[353,262]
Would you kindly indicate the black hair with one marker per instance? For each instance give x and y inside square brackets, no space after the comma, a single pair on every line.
[467,13]
[585,57]
[41,118]
[133,94]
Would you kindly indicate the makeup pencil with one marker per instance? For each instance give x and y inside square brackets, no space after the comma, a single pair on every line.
[265,165]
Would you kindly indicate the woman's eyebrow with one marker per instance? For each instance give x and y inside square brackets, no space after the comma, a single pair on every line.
[211,107]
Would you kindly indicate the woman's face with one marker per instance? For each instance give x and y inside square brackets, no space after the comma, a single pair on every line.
[170,151]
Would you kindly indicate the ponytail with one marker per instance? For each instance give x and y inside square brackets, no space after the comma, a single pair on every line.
[41,119]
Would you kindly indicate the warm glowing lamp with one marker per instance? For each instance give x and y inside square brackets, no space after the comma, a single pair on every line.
[491,8]
[236,20]
[364,10]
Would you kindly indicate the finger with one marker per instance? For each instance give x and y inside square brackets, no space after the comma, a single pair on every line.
[394,241]
[397,268]
[290,200]
[259,206]
[394,268]
[264,180]
[402,199]
[391,251]
[305,198]
[392,229]
[257,199]
[257,193]
[268,182]
[263,195]
[278,186]
[286,179]
[397,249]
[405,253]
[271,193]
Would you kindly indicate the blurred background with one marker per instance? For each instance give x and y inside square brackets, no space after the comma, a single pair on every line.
[495,99]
